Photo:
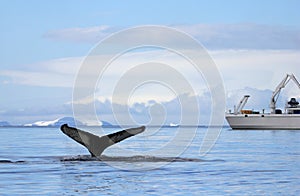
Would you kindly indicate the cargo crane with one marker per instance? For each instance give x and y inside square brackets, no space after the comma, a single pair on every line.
[242,103]
[278,89]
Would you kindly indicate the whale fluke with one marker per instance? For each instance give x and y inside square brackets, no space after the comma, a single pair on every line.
[95,144]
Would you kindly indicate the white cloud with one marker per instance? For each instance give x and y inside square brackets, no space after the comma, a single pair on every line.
[148,112]
[67,66]
[212,36]
[53,73]
[245,36]
[261,69]
[170,111]
[142,113]
[88,34]
[44,79]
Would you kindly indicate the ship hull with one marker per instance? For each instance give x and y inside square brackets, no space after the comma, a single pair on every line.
[264,121]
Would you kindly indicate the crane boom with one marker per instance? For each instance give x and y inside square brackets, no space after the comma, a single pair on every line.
[241,104]
[278,89]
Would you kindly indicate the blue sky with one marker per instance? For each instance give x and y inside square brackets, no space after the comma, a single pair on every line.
[39,37]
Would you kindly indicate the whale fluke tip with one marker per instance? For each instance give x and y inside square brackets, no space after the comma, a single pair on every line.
[63,126]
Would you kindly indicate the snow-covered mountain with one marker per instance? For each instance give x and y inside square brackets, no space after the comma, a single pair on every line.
[58,122]
[55,123]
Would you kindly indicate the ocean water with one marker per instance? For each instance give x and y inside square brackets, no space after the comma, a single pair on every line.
[45,161]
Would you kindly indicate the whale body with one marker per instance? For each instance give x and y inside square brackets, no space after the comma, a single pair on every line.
[95,144]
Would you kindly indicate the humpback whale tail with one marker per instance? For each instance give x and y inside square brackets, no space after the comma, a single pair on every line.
[95,144]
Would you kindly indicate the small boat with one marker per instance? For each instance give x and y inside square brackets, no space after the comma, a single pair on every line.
[289,119]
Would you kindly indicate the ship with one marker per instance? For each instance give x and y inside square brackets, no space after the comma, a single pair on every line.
[276,119]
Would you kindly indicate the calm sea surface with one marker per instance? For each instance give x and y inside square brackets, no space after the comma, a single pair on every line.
[45,161]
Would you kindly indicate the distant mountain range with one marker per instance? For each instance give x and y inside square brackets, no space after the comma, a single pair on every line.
[65,120]
[4,124]
[54,123]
